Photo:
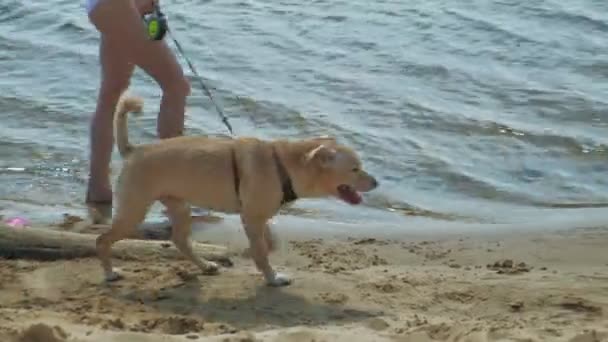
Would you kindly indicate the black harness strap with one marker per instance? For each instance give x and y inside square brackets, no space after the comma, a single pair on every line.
[289,195]
[235,175]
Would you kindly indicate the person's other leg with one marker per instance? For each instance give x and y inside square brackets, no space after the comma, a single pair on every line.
[174,85]
[121,22]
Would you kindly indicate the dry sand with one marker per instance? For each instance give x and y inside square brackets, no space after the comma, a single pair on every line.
[527,287]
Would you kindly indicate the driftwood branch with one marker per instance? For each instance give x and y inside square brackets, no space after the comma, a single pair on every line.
[145,231]
[46,244]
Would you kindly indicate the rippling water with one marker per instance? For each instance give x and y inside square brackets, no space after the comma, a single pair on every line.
[479,111]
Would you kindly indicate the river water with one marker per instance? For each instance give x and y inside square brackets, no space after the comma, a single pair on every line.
[466,111]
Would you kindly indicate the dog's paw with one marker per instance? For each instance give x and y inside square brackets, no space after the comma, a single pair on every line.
[278,280]
[113,276]
[211,268]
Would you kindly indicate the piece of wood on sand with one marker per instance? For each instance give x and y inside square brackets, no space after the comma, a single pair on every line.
[148,230]
[45,244]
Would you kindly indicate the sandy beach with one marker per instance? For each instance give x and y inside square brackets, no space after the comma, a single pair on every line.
[471,287]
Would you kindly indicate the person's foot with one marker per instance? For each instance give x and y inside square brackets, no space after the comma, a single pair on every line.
[99,204]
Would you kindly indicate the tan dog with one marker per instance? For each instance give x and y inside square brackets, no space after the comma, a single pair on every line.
[248,176]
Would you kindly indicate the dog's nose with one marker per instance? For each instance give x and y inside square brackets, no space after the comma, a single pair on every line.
[374,183]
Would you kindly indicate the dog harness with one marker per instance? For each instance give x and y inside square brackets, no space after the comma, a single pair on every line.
[289,195]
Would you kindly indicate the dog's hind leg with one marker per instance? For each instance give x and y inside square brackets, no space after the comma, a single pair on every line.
[270,237]
[181,221]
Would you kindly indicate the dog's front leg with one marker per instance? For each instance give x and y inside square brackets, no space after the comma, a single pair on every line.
[271,239]
[259,249]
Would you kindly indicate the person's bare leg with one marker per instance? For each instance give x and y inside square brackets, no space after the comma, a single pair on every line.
[115,74]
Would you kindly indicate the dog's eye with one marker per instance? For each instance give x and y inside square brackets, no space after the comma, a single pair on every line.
[356,169]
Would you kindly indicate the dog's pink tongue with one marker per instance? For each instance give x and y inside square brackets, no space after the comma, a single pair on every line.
[356,198]
[349,195]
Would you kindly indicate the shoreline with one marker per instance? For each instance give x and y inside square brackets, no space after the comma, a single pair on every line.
[384,223]
[306,220]
[532,286]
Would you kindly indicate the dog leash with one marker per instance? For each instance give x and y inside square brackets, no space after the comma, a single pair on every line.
[205,89]
[157,27]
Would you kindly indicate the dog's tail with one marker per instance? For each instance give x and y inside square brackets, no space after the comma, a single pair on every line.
[125,105]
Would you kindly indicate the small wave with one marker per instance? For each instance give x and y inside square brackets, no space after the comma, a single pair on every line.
[483,25]
[70,26]
[65,171]
[441,123]
[26,154]
[29,45]
[11,11]
[426,69]
[384,203]
[442,174]
[586,21]
[242,4]
[577,205]
[270,115]
[538,139]
[597,69]
[281,11]
[36,110]
[335,18]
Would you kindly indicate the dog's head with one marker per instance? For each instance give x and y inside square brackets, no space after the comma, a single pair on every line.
[336,170]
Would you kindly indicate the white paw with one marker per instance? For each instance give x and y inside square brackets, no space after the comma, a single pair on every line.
[113,276]
[211,268]
[279,279]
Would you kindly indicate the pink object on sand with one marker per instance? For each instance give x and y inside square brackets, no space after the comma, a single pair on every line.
[17,222]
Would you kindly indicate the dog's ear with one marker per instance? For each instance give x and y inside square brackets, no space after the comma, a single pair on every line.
[322,155]
[326,140]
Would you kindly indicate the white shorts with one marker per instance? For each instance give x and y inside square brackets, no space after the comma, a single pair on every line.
[90,5]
